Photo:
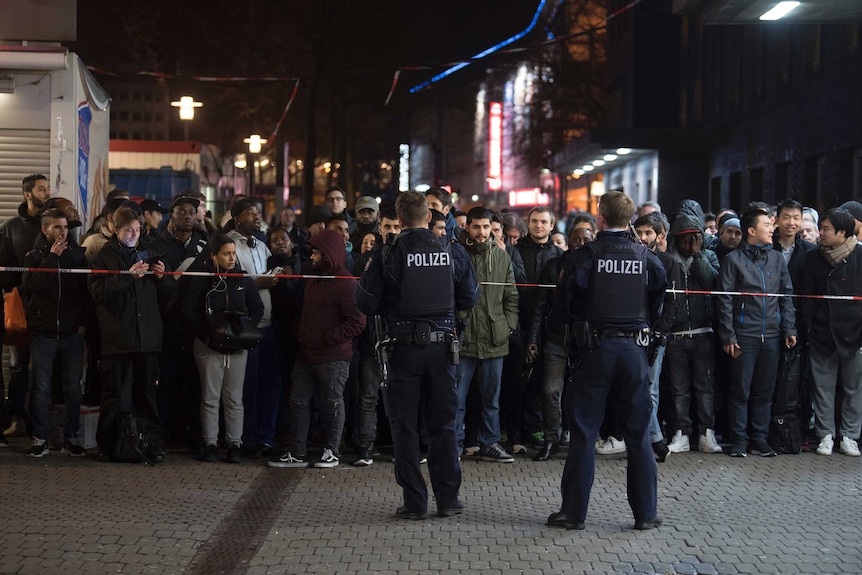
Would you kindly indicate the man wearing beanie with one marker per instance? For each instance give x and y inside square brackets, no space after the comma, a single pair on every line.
[328,324]
[729,236]
[855,209]
[262,386]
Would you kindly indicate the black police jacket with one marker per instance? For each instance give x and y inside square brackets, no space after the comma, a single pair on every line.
[380,289]
[573,291]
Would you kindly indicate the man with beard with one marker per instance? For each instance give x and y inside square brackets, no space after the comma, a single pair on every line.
[262,376]
[179,244]
[485,341]
[326,330]
[55,319]
[367,212]
[22,232]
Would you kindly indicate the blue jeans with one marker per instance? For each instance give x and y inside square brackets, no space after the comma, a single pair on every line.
[751,388]
[70,350]
[654,375]
[489,372]
[261,391]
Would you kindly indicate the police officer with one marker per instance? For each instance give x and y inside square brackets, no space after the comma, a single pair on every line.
[612,290]
[416,282]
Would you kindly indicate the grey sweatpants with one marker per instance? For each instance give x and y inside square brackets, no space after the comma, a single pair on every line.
[825,368]
[222,377]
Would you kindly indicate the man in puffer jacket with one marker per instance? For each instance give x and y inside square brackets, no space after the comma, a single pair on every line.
[486,338]
[327,327]
[752,328]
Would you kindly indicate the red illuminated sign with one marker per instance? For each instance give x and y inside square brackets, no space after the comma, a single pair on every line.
[495,147]
[528,197]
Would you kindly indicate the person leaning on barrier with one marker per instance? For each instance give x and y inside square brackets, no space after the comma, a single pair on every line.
[611,291]
[417,282]
[128,307]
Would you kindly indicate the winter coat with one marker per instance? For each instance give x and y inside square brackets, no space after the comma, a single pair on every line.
[329,320]
[758,269]
[796,265]
[534,256]
[495,315]
[55,303]
[832,324]
[237,294]
[128,309]
[22,231]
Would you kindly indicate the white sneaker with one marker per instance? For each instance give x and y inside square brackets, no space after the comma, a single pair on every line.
[708,444]
[470,451]
[611,446]
[826,445]
[849,447]
[679,443]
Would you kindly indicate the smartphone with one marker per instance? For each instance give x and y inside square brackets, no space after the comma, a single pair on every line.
[152,260]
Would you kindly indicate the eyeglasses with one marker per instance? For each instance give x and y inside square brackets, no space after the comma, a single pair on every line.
[334,199]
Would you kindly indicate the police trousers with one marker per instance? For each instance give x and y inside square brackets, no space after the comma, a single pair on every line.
[424,372]
[618,368]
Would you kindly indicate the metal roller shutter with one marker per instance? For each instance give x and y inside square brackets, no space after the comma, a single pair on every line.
[22,152]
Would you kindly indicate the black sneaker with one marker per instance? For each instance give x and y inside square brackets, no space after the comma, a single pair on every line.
[763,449]
[452,510]
[234,454]
[72,447]
[39,448]
[364,457]
[495,453]
[661,451]
[3,441]
[267,451]
[404,513]
[208,454]
[157,454]
[287,459]
[739,449]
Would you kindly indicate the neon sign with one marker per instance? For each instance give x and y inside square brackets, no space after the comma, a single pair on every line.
[495,147]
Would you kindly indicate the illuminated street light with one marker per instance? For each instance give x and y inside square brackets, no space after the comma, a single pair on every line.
[186,105]
[255,143]
[609,157]
[624,151]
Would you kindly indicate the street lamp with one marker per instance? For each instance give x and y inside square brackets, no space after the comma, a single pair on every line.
[187,106]
[255,144]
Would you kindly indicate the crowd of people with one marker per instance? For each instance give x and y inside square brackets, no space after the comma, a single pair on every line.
[135,337]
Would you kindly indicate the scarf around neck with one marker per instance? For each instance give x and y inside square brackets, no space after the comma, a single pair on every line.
[836,255]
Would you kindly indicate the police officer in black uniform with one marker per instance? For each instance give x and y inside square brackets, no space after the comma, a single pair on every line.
[417,281]
[612,289]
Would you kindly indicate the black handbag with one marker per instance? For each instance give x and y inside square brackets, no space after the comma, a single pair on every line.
[131,440]
[230,331]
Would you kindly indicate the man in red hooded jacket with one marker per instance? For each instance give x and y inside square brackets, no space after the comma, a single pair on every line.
[327,327]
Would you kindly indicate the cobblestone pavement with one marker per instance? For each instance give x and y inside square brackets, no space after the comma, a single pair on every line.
[790,514]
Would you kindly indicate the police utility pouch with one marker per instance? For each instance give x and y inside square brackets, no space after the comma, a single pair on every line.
[421,333]
[453,348]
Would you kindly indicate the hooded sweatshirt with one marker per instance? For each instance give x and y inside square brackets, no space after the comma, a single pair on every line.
[697,272]
[329,319]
